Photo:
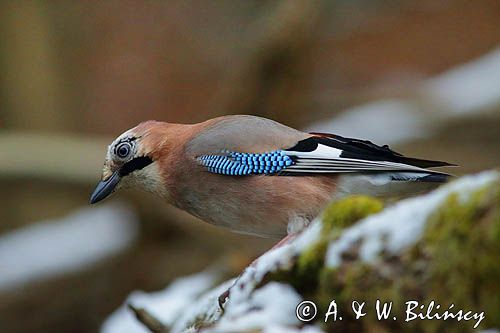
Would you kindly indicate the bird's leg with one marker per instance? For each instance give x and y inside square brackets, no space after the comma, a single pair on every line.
[285,240]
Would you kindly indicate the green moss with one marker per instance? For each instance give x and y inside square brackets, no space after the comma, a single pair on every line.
[463,240]
[337,216]
[343,213]
[309,263]
[456,261]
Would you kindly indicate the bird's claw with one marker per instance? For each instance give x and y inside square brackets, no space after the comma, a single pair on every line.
[223,299]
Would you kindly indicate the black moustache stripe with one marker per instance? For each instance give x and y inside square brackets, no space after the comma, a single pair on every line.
[137,163]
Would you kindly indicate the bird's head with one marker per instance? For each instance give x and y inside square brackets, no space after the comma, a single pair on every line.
[131,161]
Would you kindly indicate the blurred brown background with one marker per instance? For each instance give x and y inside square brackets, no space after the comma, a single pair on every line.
[75,74]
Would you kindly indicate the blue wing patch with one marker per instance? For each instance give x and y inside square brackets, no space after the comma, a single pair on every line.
[242,164]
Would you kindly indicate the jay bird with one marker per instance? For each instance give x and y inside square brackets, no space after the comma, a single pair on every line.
[254,175]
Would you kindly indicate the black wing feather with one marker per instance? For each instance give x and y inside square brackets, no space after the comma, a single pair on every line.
[364,150]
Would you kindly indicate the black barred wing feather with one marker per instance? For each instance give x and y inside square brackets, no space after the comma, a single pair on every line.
[367,150]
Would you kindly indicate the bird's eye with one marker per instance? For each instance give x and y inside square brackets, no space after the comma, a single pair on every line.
[123,149]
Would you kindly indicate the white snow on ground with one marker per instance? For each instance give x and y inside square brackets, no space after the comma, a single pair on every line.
[401,225]
[272,305]
[467,89]
[388,121]
[470,87]
[50,248]
[206,305]
[166,305]
[271,308]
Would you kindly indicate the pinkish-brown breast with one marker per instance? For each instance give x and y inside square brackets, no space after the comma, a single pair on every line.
[260,205]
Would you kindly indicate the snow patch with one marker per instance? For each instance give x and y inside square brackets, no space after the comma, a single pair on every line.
[166,305]
[401,225]
[51,248]
[206,306]
[468,88]
[272,306]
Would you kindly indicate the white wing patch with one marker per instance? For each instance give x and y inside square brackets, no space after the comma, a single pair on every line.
[321,152]
[326,159]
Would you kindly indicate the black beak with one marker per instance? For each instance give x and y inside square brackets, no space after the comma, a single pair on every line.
[105,188]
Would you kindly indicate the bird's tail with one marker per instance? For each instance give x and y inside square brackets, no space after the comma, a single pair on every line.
[390,184]
[431,177]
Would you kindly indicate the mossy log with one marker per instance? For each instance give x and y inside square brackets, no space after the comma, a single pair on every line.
[455,260]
